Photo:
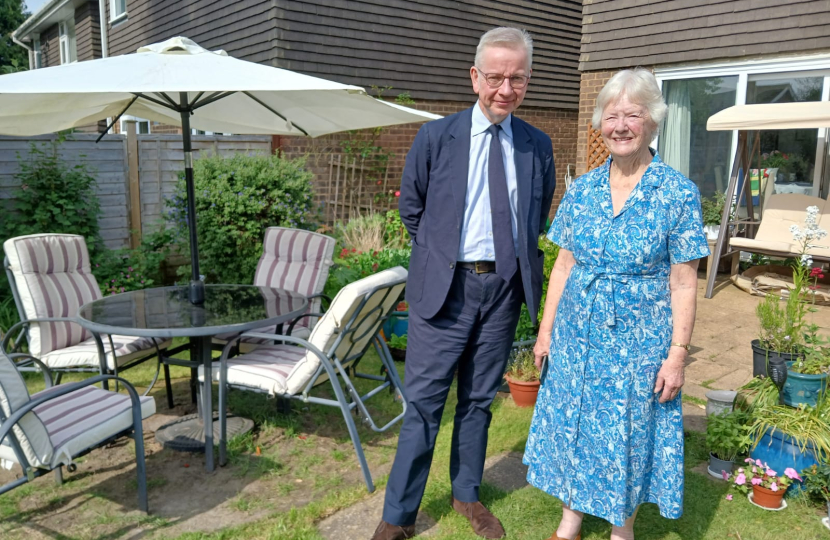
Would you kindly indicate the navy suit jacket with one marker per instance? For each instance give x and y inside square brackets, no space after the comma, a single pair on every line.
[433,192]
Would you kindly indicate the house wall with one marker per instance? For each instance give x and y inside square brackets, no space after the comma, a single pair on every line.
[626,33]
[50,47]
[590,86]
[421,47]
[88,31]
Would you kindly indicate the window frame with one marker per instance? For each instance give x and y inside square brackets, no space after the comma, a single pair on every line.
[67,41]
[114,16]
[816,65]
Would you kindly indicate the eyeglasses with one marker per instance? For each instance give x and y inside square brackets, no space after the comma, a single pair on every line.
[495,80]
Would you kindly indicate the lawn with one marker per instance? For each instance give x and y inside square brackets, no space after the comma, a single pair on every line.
[310,449]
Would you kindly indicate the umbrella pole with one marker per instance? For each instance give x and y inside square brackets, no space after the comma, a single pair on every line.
[197,286]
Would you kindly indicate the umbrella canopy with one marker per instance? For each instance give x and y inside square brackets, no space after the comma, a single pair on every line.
[803,115]
[177,82]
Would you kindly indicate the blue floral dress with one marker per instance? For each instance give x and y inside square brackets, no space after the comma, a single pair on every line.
[600,441]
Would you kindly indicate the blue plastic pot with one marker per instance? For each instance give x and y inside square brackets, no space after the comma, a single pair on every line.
[397,324]
[780,451]
[801,388]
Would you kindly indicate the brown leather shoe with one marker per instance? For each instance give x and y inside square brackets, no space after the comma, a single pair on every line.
[387,531]
[484,523]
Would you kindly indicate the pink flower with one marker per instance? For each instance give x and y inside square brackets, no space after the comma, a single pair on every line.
[790,473]
[741,470]
[729,497]
[770,472]
[397,194]
[740,479]
[725,475]
[748,460]
[757,481]
[755,469]
[774,487]
[759,462]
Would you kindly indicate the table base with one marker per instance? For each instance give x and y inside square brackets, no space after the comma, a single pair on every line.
[187,434]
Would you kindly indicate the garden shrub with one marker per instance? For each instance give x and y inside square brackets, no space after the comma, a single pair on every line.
[127,269]
[526,330]
[362,233]
[351,265]
[237,198]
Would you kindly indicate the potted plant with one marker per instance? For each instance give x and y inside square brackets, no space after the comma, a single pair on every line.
[766,486]
[523,378]
[782,321]
[727,437]
[817,484]
[712,209]
[807,376]
[397,347]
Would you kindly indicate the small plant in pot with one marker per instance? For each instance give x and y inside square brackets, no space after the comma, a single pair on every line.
[727,437]
[523,378]
[712,209]
[764,486]
[397,347]
[807,376]
[817,484]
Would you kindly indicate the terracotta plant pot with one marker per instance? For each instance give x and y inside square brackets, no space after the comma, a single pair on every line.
[767,497]
[523,393]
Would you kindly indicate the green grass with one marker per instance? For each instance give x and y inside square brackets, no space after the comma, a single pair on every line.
[693,400]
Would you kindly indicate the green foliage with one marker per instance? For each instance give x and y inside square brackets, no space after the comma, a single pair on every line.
[712,208]
[817,482]
[396,236]
[522,366]
[54,198]
[127,269]
[526,330]
[8,314]
[351,265]
[362,233]
[807,426]
[727,435]
[816,359]
[13,57]
[237,198]
[397,342]
[781,325]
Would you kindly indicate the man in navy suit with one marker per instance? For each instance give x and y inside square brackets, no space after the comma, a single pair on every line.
[475,195]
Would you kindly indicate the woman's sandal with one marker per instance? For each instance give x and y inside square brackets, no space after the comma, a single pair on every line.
[554,537]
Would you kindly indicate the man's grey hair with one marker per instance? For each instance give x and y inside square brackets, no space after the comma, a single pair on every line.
[640,87]
[505,36]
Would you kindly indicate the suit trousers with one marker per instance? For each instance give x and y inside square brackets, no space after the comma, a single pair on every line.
[473,333]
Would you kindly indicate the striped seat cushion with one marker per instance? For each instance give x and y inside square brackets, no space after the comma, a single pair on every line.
[53,279]
[298,261]
[250,343]
[30,431]
[85,418]
[127,348]
[266,368]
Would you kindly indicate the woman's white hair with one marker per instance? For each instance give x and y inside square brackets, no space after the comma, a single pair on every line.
[505,36]
[640,87]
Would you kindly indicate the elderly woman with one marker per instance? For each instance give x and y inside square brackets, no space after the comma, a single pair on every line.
[607,432]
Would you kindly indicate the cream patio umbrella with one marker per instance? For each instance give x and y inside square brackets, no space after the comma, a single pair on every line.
[178,82]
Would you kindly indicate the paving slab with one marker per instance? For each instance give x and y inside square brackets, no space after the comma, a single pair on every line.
[506,471]
[358,522]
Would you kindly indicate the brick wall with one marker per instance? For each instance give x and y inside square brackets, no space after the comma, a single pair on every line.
[559,124]
[589,87]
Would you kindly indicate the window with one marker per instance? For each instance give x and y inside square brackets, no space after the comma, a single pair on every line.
[118,9]
[38,54]
[701,155]
[66,31]
[695,93]
[142,126]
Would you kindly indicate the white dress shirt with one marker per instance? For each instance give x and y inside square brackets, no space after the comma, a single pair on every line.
[477,227]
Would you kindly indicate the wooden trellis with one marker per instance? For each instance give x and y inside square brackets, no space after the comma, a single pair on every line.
[352,190]
[597,152]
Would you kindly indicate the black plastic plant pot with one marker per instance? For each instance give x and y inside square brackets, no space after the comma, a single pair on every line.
[761,357]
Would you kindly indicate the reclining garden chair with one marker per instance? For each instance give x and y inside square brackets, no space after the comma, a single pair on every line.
[297,261]
[51,278]
[337,343]
[47,430]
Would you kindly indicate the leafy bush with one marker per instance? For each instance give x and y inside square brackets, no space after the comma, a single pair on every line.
[817,482]
[126,269]
[712,208]
[351,265]
[727,435]
[396,234]
[53,198]
[237,198]
[526,330]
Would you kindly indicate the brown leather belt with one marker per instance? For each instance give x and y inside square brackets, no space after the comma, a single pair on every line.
[479,267]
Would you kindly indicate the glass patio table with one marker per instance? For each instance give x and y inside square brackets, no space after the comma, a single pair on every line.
[166,312]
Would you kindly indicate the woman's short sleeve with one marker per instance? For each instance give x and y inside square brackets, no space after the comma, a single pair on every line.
[561,230]
[687,241]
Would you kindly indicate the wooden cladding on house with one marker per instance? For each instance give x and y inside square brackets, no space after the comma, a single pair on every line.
[625,33]
[416,46]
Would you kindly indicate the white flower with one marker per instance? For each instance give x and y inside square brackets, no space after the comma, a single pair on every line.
[806,260]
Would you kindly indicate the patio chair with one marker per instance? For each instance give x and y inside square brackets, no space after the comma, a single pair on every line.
[51,278]
[293,260]
[290,370]
[47,430]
